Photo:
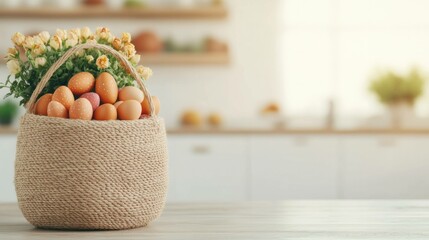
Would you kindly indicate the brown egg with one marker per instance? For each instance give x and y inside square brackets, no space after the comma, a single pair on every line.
[106,112]
[131,93]
[42,104]
[81,83]
[81,109]
[146,108]
[117,104]
[129,110]
[64,96]
[56,109]
[106,88]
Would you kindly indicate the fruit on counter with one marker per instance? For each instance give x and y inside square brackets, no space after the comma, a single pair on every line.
[131,93]
[64,96]
[106,112]
[81,109]
[148,42]
[129,110]
[214,119]
[42,104]
[271,108]
[117,104]
[93,98]
[106,88]
[81,83]
[146,108]
[191,118]
[56,109]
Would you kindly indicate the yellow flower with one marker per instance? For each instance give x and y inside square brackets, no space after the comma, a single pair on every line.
[18,39]
[71,42]
[104,34]
[144,72]
[74,33]
[13,66]
[102,62]
[38,49]
[117,44]
[11,53]
[85,32]
[44,36]
[91,40]
[62,34]
[90,58]
[129,50]
[56,42]
[135,59]
[126,37]
[40,61]
[29,42]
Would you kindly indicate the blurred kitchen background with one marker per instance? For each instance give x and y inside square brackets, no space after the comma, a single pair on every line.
[266,100]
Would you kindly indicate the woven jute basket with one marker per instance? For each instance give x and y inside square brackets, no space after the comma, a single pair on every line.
[76,174]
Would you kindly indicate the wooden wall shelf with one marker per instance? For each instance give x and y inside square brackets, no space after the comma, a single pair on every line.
[185,58]
[123,13]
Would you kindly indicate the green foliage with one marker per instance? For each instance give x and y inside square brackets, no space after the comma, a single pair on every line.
[32,56]
[392,88]
[8,111]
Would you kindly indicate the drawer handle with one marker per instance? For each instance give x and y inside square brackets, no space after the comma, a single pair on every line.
[201,149]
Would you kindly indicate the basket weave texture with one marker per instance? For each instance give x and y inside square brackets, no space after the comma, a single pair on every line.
[76,174]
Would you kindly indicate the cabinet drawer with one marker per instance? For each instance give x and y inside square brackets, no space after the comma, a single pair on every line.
[207,168]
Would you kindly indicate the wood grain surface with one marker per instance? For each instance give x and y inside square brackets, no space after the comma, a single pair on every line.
[331,219]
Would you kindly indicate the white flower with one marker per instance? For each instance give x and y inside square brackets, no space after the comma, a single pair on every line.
[126,37]
[85,32]
[13,66]
[80,53]
[71,42]
[144,72]
[29,42]
[102,62]
[129,50]
[56,42]
[40,61]
[62,34]
[18,39]
[135,59]
[104,34]
[44,36]
[90,58]
[91,40]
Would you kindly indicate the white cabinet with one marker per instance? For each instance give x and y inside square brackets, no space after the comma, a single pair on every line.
[385,167]
[293,167]
[207,168]
[7,164]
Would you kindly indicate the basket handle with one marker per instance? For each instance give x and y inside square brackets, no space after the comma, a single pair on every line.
[133,72]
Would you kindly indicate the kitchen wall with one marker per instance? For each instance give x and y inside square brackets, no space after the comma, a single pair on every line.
[236,90]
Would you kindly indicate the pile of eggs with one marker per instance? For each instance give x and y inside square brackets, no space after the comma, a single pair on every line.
[98,99]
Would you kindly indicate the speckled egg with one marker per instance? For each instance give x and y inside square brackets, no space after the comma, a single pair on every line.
[131,93]
[129,110]
[106,88]
[106,112]
[81,109]
[56,109]
[81,83]
[93,98]
[146,108]
[64,96]
[42,104]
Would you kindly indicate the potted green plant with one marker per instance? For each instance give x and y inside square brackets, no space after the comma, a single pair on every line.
[398,92]
[8,112]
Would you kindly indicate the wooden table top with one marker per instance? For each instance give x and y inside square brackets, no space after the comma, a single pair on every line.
[331,219]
